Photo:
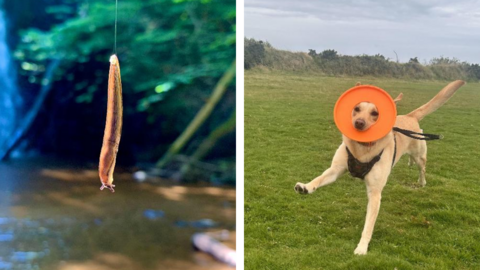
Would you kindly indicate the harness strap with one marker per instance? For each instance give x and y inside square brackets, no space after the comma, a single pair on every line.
[360,169]
[394,149]
[426,136]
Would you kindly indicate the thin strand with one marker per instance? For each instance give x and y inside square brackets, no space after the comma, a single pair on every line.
[116,19]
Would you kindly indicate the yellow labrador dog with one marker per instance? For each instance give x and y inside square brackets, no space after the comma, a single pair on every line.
[378,158]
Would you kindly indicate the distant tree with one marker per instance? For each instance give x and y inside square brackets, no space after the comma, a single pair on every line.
[474,71]
[381,57]
[254,53]
[413,60]
[267,44]
[312,53]
[444,61]
[329,55]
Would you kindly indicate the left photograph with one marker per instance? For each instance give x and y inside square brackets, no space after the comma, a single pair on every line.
[117,134]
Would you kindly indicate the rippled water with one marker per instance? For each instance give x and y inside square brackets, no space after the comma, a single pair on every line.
[53,216]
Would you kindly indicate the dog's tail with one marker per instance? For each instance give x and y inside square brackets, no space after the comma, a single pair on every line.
[437,101]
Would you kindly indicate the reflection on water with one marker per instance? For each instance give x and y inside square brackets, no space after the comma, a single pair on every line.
[53,216]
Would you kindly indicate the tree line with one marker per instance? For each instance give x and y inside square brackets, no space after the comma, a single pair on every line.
[329,62]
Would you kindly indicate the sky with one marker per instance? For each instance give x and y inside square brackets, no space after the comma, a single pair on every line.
[422,28]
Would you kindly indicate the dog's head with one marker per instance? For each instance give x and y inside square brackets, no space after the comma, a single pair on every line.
[364,115]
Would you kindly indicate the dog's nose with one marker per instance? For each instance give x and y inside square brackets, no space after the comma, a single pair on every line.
[359,124]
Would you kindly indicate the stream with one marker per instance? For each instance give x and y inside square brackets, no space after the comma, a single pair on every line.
[53,216]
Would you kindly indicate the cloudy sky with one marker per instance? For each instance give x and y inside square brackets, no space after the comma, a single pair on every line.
[422,28]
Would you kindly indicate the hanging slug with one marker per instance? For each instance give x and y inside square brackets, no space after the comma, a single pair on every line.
[113,126]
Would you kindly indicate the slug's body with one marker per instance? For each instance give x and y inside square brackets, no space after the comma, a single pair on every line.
[113,126]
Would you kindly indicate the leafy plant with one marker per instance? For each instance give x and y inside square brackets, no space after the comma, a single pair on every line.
[171,52]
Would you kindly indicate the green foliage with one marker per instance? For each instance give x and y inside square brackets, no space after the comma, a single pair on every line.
[260,53]
[443,61]
[474,70]
[328,55]
[329,62]
[414,60]
[163,45]
[290,137]
[254,53]
[171,52]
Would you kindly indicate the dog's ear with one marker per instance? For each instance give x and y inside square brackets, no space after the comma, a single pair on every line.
[398,98]
[358,83]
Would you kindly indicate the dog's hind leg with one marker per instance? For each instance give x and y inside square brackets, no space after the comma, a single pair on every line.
[420,159]
[338,167]
[411,162]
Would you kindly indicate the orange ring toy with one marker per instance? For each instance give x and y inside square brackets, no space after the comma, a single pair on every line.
[387,113]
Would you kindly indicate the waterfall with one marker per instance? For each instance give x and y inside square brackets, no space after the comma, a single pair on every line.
[9,96]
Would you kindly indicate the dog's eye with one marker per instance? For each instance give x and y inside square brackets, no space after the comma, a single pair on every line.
[357,109]
[374,113]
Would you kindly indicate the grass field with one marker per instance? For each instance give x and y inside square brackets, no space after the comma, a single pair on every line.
[290,137]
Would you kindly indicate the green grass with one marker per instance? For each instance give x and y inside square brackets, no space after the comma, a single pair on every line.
[290,137]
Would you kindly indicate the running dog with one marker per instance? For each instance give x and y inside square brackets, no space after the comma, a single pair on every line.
[373,161]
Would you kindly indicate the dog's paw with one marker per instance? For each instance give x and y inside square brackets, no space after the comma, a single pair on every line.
[361,250]
[422,182]
[301,188]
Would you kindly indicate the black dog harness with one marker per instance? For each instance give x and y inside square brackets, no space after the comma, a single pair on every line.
[361,169]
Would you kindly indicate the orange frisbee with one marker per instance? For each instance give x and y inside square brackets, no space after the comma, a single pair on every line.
[387,113]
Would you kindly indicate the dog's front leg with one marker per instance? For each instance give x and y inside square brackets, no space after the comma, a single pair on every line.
[338,167]
[374,191]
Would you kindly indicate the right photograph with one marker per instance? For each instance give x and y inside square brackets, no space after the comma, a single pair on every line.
[361,128]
